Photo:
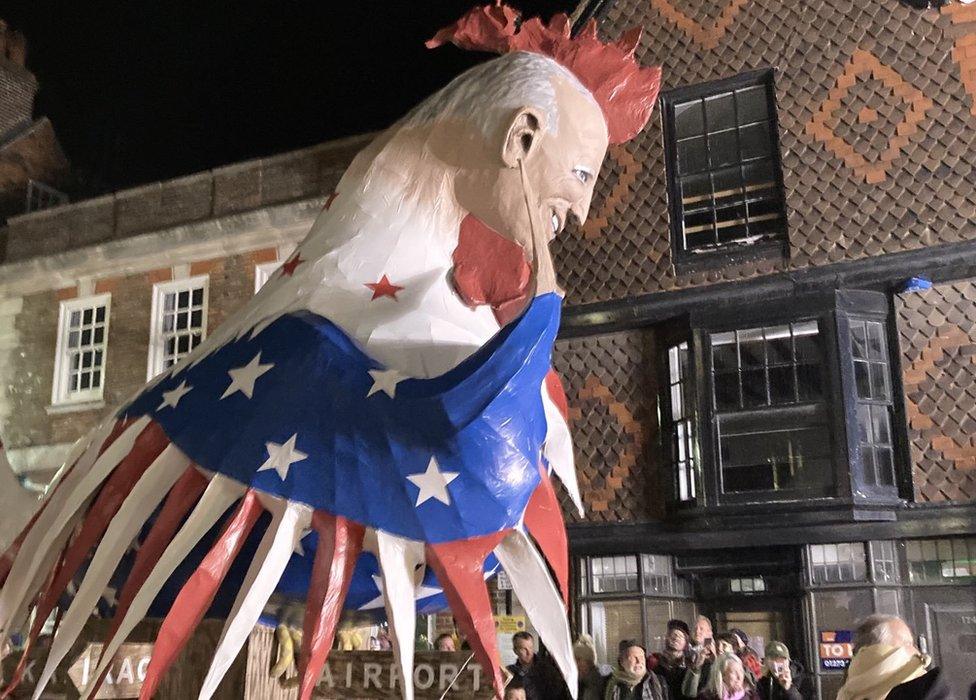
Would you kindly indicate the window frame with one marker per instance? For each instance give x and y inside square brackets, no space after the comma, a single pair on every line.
[61,394]
[832,309]
[263,273]
[734,252]
[157,337]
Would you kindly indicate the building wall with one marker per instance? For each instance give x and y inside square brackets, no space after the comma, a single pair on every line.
[611,384]
[17,89]
[937,332]
[877,135]
[25,411]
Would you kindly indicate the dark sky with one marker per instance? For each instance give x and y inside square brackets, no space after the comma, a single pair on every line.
[142,90]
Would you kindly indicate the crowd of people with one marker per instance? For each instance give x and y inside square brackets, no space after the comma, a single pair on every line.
[697,664]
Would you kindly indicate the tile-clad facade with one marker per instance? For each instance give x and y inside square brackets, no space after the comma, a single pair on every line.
[937,329]
[876,129]
[611,385]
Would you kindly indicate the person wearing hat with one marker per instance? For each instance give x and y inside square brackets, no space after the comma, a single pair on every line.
[777,683]
[592,678]
[750,659]
[672,662]
[630,679]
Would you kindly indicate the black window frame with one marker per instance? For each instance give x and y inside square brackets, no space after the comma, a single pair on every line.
[776,246]
[834,310]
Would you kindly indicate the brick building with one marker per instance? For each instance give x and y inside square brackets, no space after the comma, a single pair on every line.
[769,335]
[32,165]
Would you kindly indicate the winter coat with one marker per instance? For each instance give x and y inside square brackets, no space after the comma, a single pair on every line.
[931,686]
[651,688]
[770,689]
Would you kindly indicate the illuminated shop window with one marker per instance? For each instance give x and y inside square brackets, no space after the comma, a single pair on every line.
[844,562]
[79,367]
[949,560]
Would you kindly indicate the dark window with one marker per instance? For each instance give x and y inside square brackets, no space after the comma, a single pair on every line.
[770,419]
[724,174]
[869,354]
[684,445]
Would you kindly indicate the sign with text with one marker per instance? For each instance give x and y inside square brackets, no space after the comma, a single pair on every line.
[125,674]
[374,674]
[836,649]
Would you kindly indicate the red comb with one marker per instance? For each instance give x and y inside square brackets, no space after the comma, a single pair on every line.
[625,90]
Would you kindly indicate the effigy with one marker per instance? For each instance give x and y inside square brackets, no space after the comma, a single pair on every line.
[386,399]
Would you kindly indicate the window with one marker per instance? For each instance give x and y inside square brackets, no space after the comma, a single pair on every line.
[949,560]
[885,561]
[41,196]
[179,321]
[630,596]
[79,367]
[871,378]
[683,446]
[724,176]
[844,562]
[770,418]
[262,273]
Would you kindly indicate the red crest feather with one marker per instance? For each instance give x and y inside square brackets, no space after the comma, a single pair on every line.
[625,90]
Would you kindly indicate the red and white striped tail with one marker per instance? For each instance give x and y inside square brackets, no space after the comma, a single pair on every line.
[129,470]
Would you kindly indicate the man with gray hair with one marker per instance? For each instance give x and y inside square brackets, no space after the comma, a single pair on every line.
[887,664]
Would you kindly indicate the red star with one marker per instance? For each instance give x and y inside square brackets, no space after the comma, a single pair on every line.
[332,195]
[288,269]
[384,288]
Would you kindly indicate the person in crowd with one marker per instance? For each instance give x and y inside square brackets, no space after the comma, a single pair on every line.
[778,682]
[631,680]
[703,630]
[887,665]
[591,680]
[445,642]
[515,690]
[751,660]
[725,643]
[700,658]
[727,681]
[537,675]
[670,663]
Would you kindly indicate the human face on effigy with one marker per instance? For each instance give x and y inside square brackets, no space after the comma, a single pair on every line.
[545,171]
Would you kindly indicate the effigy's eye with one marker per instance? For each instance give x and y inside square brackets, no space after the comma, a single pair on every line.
[582,174]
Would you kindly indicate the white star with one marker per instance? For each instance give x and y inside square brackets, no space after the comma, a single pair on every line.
[243,378]
[299,549]
[433,483]
[419,593]
[172,398]
[281,457]
[385,380]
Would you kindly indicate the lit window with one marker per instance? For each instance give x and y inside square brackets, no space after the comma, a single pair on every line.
[722,155]
[942,560]
[684,446]
[838,563]
[179,321]
[262,273]
[79,367]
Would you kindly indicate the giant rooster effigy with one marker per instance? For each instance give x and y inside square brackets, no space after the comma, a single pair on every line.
[388,391]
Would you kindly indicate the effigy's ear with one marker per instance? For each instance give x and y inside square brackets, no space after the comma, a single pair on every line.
[522,136]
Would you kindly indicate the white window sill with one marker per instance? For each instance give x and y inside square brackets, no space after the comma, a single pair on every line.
[74,407]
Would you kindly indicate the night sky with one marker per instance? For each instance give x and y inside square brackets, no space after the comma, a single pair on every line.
[143,90]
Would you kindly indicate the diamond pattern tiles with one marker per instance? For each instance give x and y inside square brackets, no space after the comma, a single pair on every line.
[876,112]
[963,30]
[612,392]
[937,331]
[834,213]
